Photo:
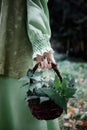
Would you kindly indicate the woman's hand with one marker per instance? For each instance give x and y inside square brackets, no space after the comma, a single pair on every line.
[45,60]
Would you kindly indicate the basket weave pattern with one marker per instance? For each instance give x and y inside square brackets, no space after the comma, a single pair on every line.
[45,111]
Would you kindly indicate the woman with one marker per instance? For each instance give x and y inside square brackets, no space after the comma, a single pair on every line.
[16,58]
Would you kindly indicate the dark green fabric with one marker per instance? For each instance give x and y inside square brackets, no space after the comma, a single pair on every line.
[15,47]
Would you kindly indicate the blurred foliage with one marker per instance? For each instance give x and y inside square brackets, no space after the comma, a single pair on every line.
[76,117]
[69,26]
[68,16]
[79,72]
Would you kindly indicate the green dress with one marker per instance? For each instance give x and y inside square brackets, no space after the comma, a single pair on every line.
[16,54]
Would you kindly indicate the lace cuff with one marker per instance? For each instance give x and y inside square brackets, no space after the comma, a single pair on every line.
[40,44]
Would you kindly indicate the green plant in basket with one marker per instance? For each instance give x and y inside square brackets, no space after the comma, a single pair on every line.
[45,88]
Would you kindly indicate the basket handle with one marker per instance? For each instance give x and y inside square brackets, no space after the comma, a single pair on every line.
[54,67]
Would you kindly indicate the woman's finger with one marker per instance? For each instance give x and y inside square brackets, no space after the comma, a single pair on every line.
[45,62]
[42,65]
[39,58]
[49,65]
[50,56]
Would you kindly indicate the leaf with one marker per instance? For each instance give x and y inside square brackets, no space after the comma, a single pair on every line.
[69,92]
[48,91]
[30,73]
[64,102]
[51,84]
[63,85]
[25,78]
[53,95]
[39,92]
[38,85]
[35,79]
[43,99]
[38,73]
[26,84]
[31,97]
[32,87]
[56,82]
[29,93]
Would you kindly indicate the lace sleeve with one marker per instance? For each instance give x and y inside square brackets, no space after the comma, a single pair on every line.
[38,26]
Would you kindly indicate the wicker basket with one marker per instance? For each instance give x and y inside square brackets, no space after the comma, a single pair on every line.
[47,110]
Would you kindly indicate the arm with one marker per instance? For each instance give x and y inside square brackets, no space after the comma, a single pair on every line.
[39,31]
